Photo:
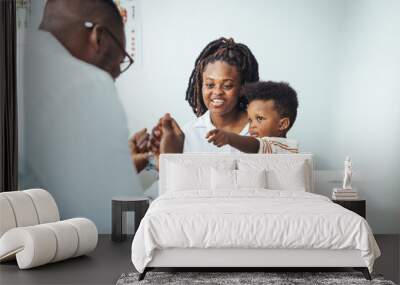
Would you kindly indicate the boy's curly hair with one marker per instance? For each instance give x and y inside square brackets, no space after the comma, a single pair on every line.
[284,97]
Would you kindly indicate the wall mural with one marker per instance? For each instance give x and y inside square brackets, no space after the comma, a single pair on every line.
[130,12]
[24,8]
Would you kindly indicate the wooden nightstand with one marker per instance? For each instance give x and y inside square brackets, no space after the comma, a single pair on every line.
[357,206]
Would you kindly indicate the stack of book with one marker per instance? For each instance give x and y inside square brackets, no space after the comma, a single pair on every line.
[344,194]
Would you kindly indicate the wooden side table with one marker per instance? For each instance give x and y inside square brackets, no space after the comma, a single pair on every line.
[120,205]
[357,206]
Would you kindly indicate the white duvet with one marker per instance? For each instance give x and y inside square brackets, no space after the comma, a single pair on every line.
[250,219]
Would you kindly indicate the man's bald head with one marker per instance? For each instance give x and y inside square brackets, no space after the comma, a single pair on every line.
[59,14]
[65,19]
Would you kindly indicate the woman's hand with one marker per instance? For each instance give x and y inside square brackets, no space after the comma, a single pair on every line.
[138,145]
[172,138]
[218,137]
[155,138]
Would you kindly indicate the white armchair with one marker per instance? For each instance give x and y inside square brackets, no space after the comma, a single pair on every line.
[31,230]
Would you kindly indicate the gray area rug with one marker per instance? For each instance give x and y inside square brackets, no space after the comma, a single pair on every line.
[273,278]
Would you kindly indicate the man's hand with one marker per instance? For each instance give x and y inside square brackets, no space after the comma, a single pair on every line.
[218,137]
[172,138]
[138,145]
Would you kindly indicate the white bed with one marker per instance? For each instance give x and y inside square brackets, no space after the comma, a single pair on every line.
[210,214]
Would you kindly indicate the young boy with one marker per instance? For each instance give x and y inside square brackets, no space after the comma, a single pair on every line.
[272,111]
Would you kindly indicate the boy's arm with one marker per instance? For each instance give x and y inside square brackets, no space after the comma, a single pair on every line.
[242,143]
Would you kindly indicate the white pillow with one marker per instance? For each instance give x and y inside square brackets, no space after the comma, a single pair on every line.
[282,173]
[292,179]
[185,177]
[251,178]
[193,176]
[223,179]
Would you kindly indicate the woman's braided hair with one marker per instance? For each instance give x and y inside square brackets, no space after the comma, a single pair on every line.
[226,50]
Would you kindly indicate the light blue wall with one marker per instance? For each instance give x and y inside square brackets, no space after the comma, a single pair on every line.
[341,56]
[367,110]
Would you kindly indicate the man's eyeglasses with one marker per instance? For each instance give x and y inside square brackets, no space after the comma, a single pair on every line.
[127,61]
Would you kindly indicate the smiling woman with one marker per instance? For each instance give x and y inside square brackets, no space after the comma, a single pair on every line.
[220,71]
[221,84]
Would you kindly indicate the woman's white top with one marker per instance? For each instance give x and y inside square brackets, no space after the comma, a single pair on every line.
[195,136]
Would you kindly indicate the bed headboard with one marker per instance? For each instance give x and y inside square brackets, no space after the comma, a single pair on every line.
[279,163]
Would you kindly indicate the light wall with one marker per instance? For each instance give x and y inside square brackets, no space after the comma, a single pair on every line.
[341,56]
[367,110]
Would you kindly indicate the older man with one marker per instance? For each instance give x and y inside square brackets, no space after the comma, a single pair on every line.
[76,130]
